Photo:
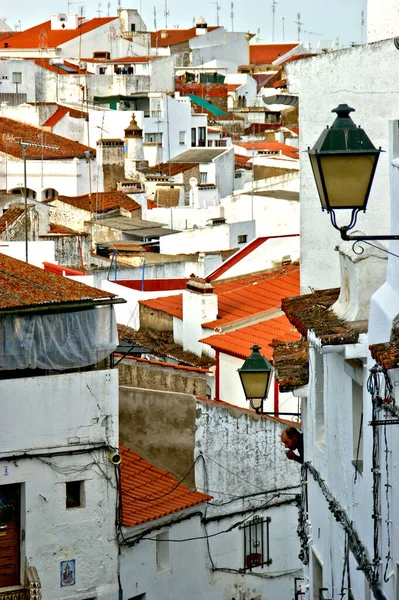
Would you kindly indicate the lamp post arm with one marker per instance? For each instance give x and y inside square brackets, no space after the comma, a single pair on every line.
[362,238]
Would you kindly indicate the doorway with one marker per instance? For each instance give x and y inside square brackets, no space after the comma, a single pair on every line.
[9,535]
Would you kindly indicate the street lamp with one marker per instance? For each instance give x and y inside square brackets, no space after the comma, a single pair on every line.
[256,374]
[344,161]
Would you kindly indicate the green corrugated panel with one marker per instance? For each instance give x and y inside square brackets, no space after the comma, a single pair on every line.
[207,105]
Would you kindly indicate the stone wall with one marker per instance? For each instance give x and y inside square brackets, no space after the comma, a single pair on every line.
[155,320]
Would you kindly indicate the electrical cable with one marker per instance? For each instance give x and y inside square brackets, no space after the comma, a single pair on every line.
[388,557]
[231,472]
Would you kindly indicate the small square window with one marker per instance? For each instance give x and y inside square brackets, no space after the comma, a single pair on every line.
[74,494]
[162,551]
[256,543]
[242,239]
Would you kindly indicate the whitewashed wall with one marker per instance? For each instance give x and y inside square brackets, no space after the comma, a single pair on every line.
[37,251]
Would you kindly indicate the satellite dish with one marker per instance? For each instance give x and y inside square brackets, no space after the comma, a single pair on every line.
[193,181]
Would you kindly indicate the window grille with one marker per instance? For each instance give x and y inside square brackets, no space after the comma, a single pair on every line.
[256,543]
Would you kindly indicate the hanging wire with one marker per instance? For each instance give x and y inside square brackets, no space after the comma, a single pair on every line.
[388,557]
[345,566]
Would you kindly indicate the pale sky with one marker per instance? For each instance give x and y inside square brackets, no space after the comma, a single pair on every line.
[322,19]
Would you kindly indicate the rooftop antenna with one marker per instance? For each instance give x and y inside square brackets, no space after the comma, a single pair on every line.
[299,23]
[166,13]
[362,28]
[232,16]
[274,4]
[99,9]
[119,3]
[283,23]
[217,12]
[155,19]
[258,34]
[194,22]
[108,9]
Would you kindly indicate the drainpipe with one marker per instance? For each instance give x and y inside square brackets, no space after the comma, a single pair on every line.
[217,376]
[276,392]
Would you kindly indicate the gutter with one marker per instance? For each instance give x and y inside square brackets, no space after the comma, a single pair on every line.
[65,306]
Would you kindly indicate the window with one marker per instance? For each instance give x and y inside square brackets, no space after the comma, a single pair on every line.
[193,137]
[242,239]
[357,425]
[132,27]
[162,551]
[153,138]
[256,543]
[201,136]
[319,398]
[317,577]
[182,138]
[17,77]
[203,178]
[74,494]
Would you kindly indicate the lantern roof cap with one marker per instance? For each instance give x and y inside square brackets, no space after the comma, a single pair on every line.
[256,361]
[343,136]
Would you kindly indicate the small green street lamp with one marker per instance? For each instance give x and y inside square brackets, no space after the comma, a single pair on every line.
[256,374]
[344,161]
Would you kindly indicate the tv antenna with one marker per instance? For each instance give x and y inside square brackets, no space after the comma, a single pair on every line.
[166,13]
[217,12]
[99,9]
[232,16]
[283,24]
[274,4]
[362,27]
[155,19]
[299,23]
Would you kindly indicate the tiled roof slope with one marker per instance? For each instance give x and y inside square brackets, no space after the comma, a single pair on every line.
[8,217]
[386,354]
[43,36]
[149,493]
[23,285]
[57,116]
[312,312]
[291,361]
[102,202]
[238,343]
[11,132]
[239,298]
[164,38]
[285,149]
[49,66]
[171,169]
[265,54]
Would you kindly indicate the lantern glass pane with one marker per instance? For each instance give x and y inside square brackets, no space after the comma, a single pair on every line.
[347,179]
[316,173]
[255,384]
[256,403]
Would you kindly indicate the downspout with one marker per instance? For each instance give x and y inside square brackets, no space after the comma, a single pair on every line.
[276,397]
[217,376]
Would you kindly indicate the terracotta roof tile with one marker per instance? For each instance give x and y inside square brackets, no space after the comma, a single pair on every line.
[9,216]
[12,131]
[171,305]
[265,54]
[386,354]
[239,298]
[101,202]
[56,117]
[238,343]
[42,36]
[291,361]
[142,484]
[49,66]
[171,169]
[23,285]
[311,312]
[63,230]
[164,38]
[285,149]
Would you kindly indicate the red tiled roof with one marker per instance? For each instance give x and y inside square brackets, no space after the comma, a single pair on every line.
[265,54]
[174,36]
[63,230]
[171,305]
[23,285]
[60,270]
[12,131]
[296,57]
[101,202]
[56,117]
[142,483]
[239,298]
[233,86]
[242,253]
[42,36]
[9,216]
[167,365]
[286,150]
[151,204]
[172,169]
[238,343]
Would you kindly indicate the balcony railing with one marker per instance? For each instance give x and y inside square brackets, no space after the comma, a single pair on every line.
[155,114]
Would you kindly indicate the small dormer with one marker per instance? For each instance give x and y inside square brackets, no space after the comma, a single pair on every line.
[201,26]
[62,21]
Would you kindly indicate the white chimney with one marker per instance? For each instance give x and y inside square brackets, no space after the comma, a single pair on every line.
[200,305]
[201,26]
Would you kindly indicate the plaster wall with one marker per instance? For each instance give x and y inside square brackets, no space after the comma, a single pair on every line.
[272,216]
[71,251]
[183,217]
[224,174]
[178,330]
[197,309]
[316,82]
[27,85]
[129,313]
[105,38]
[220,45]
[205,239]
[67,177]
[60,410]
[37,251]
[382,19]
[146,415]
[69,216]
[265,256]
[160,377]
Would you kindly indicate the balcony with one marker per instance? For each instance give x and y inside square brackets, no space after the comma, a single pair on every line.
[155,114]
